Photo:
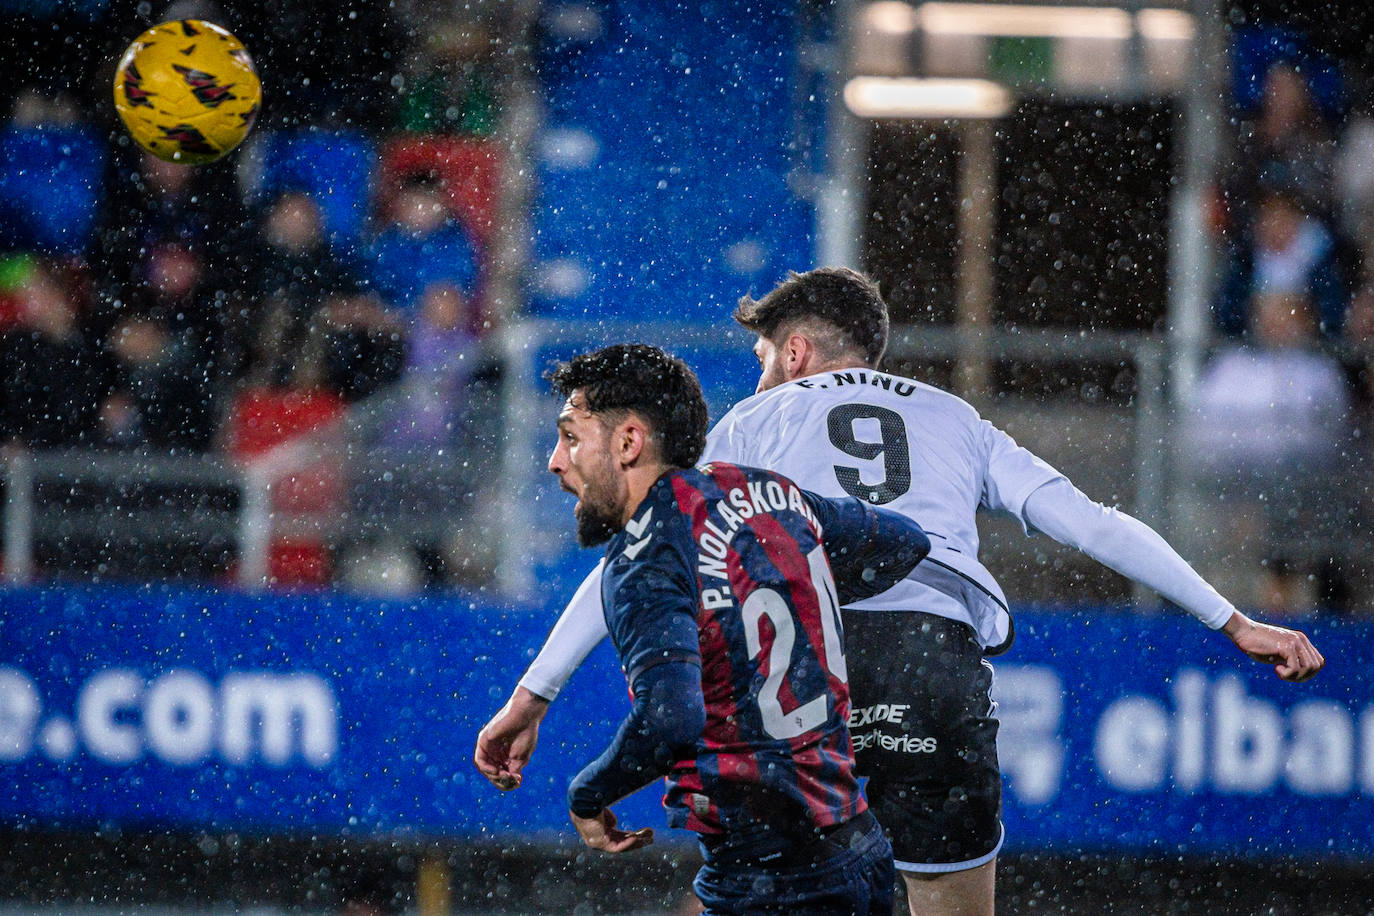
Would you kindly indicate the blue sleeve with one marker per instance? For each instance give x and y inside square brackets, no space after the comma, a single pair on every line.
[662,728]
[869,549]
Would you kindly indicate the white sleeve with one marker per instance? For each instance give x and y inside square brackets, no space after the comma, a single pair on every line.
[580,628]
[1013,473]
[1125,544]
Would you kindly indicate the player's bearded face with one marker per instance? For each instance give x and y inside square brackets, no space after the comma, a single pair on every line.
[587,469]
[600,502]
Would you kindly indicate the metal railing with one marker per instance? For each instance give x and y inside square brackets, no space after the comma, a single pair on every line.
[1147,354]
[119,503]
[92,494]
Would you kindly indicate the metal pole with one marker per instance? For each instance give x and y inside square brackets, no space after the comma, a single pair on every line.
[519,400]
[255,528]
[973,272]
[516,131]
[1190,262]
[514,576]
[1151,458]
[839,206]
[19,477]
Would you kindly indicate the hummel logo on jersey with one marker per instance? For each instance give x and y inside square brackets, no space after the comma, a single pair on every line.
[635,530]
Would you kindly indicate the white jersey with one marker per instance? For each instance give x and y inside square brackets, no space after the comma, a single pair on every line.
[908,447]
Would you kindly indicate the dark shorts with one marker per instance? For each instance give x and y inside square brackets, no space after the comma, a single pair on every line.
[848,873]
[925,736]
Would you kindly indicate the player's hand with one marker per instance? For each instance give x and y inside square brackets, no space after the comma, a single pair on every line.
[601,833]
[505,744]
[1290,652]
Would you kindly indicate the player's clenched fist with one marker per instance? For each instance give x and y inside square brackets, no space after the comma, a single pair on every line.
[505,744]
[1290,651]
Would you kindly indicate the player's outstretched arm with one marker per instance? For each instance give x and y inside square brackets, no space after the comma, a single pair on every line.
[579,629]
[1125,544]
[1290,651]
[663,727]
[870,549]
[506,743]
[1133,549]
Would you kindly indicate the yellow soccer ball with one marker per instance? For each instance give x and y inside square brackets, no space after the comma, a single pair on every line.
[187,91]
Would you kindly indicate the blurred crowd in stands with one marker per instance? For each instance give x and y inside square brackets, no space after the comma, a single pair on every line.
[1277,409]
[342,252]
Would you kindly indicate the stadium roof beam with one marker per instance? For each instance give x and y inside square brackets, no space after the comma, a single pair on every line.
[1091,52]
[915,97]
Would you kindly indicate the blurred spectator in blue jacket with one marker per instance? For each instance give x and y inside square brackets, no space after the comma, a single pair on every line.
[421,243]
[1289,252]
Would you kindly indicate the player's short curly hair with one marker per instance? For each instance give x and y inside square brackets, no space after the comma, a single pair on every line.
[844,298]
[659,387]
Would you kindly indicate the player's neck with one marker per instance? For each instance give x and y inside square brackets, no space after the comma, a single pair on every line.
[834,365]
[639,480]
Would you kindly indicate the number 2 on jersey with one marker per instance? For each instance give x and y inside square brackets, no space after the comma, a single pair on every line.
[891,447]
[767,603]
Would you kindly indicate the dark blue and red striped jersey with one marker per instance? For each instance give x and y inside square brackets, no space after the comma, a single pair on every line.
[727,567]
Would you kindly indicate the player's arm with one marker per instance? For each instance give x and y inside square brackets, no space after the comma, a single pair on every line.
[653,614]
[1135,550]
[870,549]
[662,728]
[505,744]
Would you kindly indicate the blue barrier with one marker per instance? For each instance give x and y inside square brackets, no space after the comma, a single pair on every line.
[1126,733]
[206,710]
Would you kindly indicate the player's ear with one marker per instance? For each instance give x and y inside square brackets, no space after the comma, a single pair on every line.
[630,440]
[797,355]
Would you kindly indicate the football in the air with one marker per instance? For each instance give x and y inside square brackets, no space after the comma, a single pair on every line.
[187,91]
